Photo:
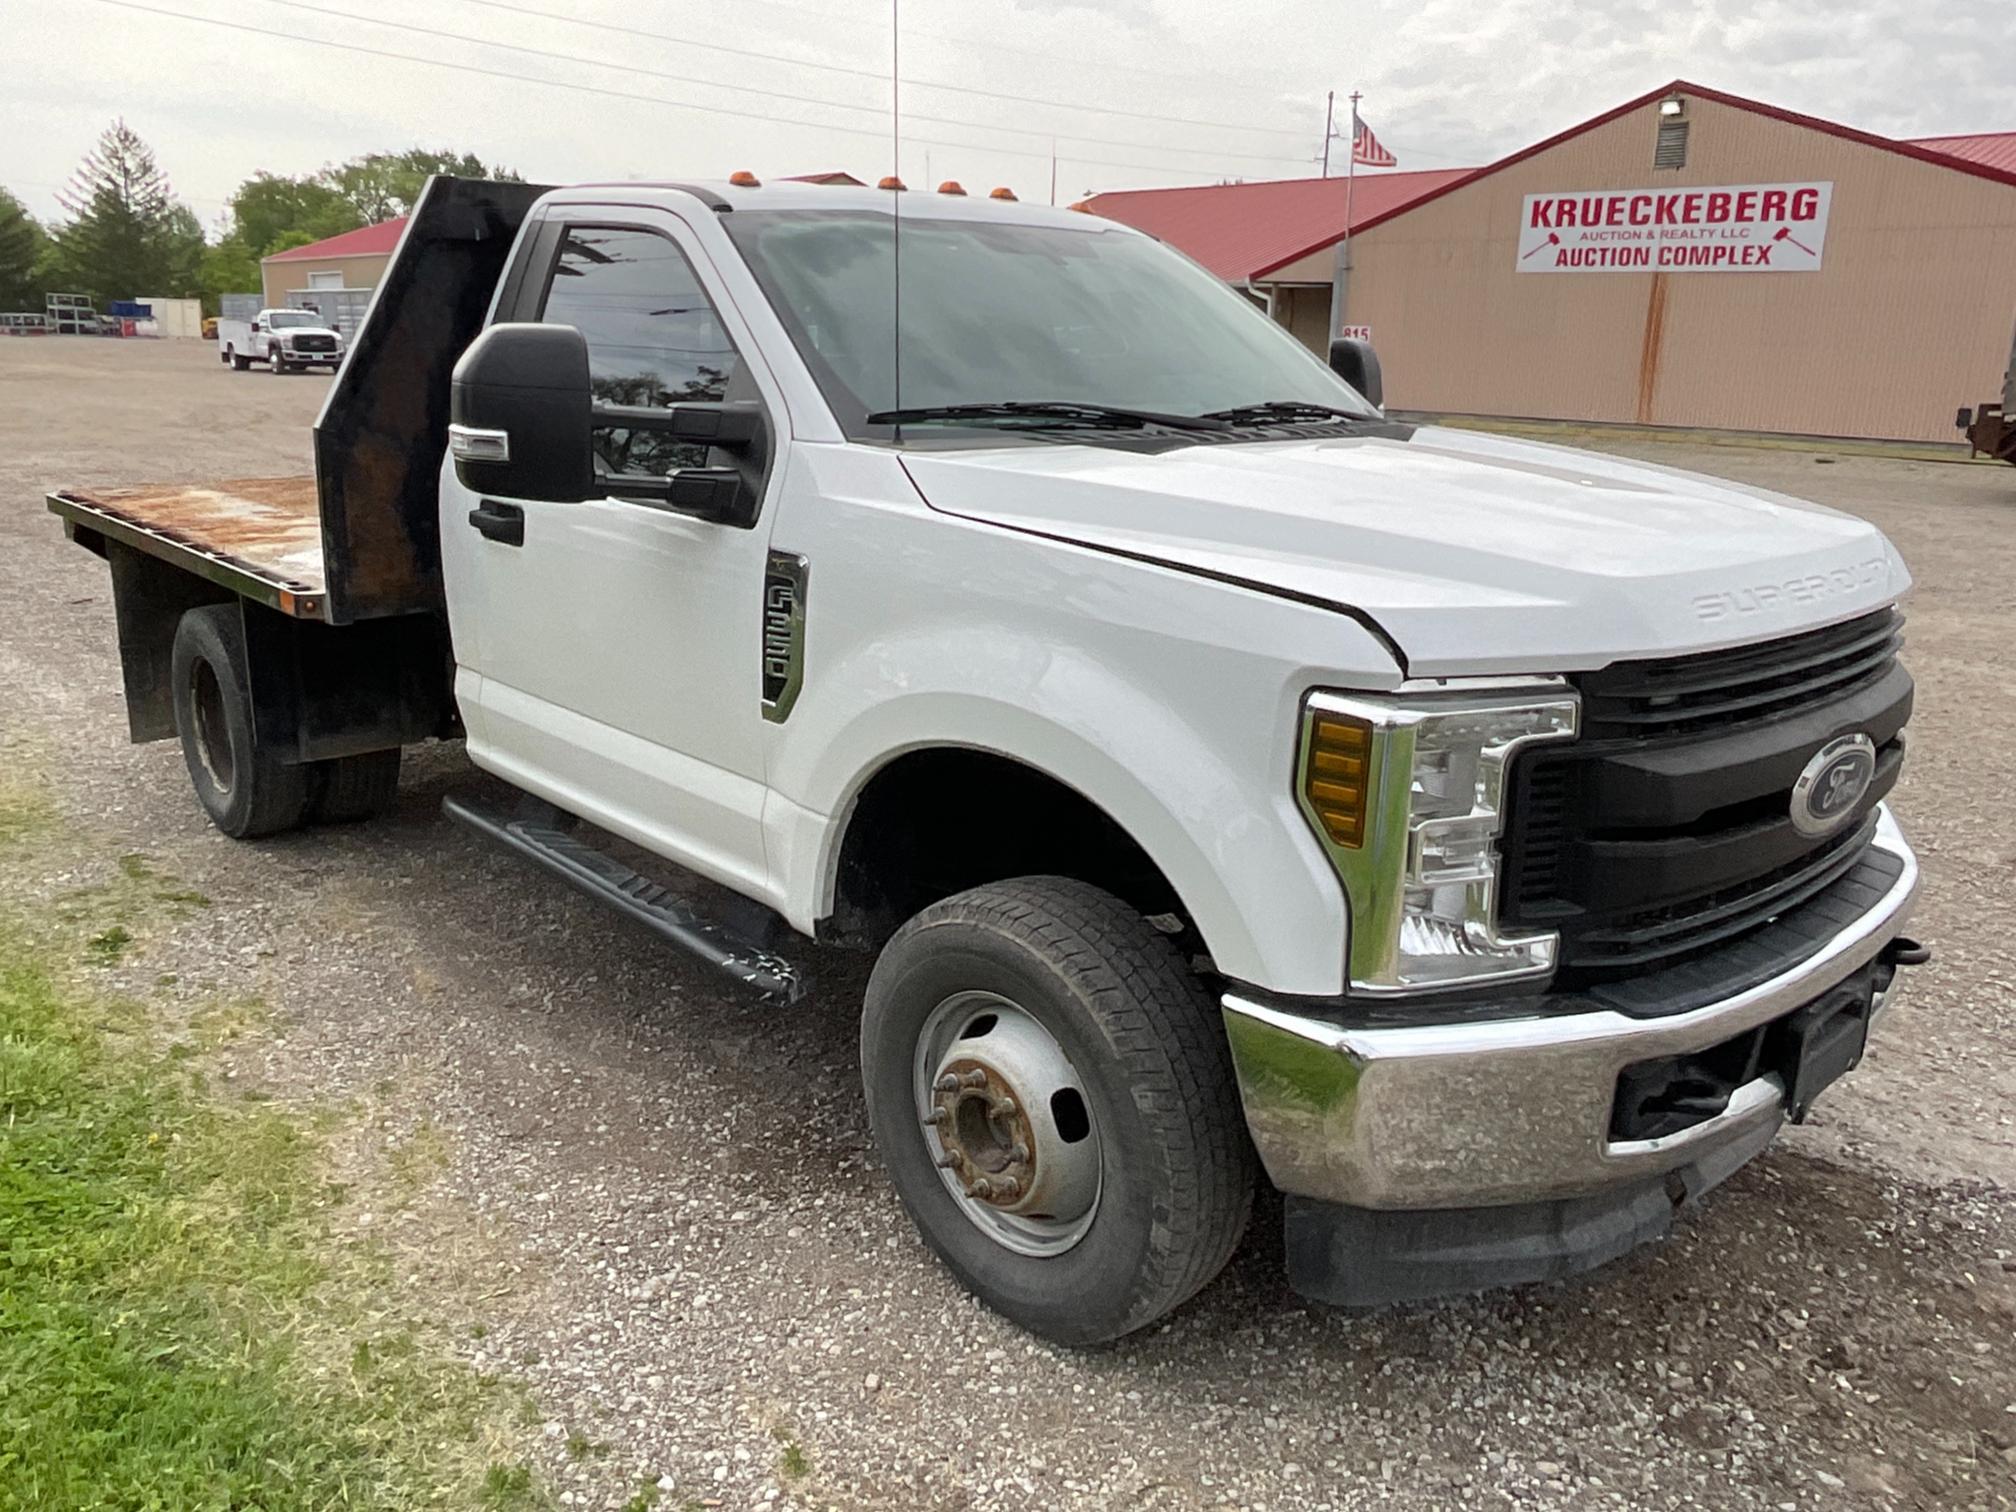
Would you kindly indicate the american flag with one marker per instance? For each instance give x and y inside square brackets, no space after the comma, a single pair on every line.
[1365,148]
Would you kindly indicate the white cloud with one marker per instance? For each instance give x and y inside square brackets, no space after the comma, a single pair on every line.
[1446,82]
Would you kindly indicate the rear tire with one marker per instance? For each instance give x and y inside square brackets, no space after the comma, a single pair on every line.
[1137,1063]
[238,360]
[245,788]
[350,789]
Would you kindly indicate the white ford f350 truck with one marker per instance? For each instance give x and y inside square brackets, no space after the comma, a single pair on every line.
[285,340]
[1483,842]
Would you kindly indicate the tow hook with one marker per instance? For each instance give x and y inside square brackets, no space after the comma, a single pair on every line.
[1905,951]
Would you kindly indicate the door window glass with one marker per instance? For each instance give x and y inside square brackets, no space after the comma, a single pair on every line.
[653,336]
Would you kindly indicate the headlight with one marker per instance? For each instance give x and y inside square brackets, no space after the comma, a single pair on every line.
[1407,795]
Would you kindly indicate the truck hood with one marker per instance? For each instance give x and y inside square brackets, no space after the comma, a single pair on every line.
[1473,553]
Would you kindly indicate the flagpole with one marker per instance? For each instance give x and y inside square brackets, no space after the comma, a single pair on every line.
[1340,275]
[1350,181]
[1329,126]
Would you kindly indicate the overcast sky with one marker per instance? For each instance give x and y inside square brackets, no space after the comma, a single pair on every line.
[1137,92]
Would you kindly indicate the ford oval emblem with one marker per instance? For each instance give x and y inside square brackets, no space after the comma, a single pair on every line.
[1833,784]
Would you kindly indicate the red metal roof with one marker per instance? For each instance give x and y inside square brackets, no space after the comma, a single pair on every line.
[1239,231]
[365,241]
[1995,148]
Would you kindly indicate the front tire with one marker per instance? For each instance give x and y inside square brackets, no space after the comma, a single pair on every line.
[273,363]
[1053,1096]
[245,788]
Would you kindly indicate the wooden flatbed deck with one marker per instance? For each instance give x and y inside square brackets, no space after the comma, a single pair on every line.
[261,537]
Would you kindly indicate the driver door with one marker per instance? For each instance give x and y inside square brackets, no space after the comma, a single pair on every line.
[616,644]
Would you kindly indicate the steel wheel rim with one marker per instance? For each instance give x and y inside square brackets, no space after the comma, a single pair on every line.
[1005,1119]
[212,732]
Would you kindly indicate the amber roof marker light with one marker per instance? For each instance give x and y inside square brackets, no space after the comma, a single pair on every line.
[742,178]
[1003,193]
[951,186]
[890,181]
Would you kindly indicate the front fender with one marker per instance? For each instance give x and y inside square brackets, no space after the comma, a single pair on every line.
[1241,860]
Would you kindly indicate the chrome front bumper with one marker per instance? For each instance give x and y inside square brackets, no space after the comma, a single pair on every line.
[1507,1111]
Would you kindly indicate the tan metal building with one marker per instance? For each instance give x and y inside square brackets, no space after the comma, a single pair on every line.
[354,260]
[1696,259]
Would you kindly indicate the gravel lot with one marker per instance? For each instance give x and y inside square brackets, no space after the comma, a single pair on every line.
[687,1249]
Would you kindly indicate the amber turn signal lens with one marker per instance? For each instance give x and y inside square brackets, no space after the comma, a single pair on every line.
[950,186]
[1336,779]
[890,182]
[742,178]
[1003,193]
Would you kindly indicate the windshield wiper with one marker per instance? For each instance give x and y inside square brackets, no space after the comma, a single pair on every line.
[1285,410]
[1059,412]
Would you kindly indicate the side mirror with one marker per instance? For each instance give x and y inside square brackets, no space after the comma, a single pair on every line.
[255,325]
[522,415]
[1358,365]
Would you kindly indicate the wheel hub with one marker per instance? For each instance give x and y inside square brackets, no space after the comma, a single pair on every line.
[986,1136]
[1007,1123]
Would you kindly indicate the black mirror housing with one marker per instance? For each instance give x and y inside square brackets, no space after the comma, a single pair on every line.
[1358,365]
[528,385]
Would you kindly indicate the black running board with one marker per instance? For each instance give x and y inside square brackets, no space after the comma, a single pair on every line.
[602,876]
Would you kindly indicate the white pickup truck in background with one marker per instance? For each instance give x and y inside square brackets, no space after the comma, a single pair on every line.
[1481,841]
[282,339]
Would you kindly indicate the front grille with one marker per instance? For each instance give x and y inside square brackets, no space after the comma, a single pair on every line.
[1655,936]
[1723,688]
[314,343]
[1665,831]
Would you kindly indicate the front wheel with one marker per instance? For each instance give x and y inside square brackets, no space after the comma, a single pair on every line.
[1052,1093]
[273,363]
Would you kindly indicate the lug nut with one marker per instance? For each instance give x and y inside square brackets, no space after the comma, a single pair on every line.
[1020,1152]
[937,1116]
[1005,1108]
[981,1188]
[1008,1186]
[946,1083]
[948,1160]
[974,1079]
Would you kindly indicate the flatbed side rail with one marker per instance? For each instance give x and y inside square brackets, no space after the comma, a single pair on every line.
[384,427]
[291,597]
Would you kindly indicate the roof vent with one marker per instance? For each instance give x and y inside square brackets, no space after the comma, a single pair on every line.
[1671,149]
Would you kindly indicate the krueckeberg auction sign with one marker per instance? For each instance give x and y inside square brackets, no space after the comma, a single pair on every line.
[1742,228]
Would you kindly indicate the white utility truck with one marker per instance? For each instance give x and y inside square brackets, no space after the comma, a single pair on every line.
[1481,841]
[285,340]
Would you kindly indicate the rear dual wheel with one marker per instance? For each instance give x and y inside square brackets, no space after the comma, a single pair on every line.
[1053,1096]
[244,785]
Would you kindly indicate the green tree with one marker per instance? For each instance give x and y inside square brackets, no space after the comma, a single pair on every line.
[126,234]
[268,207]
[21,248]
[228,268]
[380,185]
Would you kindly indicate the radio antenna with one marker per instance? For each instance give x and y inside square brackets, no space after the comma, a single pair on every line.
[896,205]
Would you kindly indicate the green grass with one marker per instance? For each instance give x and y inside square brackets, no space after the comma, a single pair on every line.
[183,1324]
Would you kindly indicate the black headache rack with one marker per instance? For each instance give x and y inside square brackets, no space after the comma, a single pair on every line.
[383,430]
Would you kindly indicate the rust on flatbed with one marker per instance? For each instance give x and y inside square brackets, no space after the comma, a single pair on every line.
[259,536]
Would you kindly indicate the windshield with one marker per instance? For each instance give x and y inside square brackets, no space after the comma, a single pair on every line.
[1010,311]
[288,319]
